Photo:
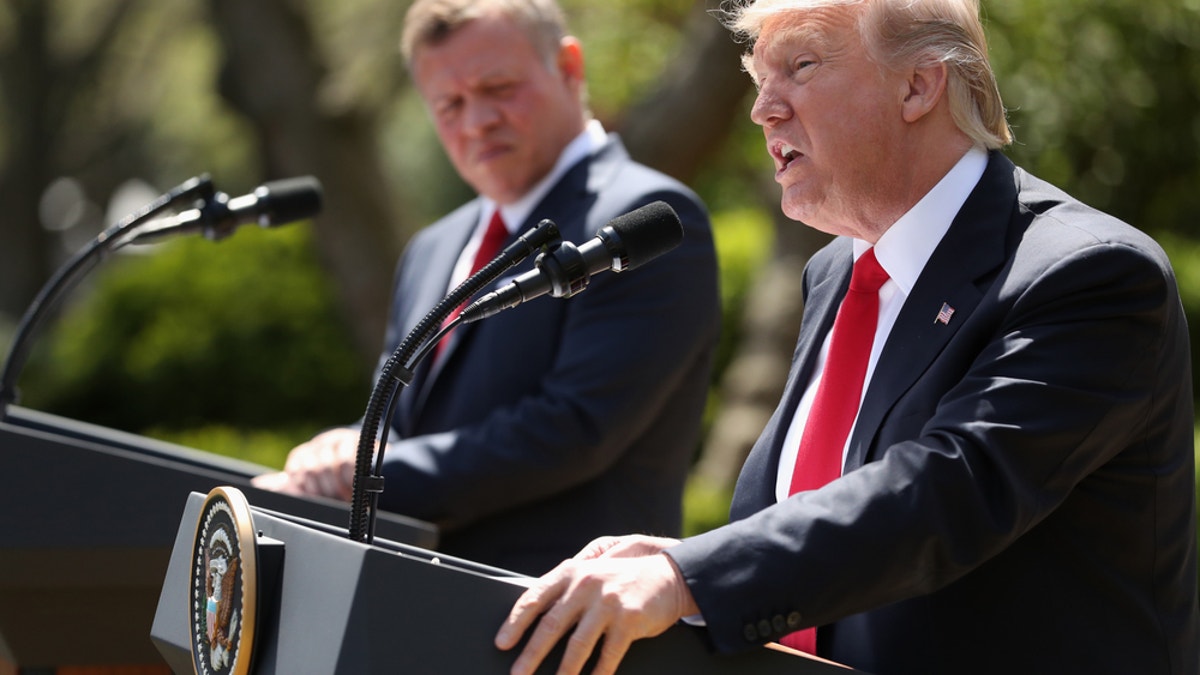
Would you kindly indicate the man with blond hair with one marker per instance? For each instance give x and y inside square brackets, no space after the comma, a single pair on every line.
[983,460]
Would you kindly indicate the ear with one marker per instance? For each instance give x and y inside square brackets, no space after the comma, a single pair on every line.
[925,87]
[570,59]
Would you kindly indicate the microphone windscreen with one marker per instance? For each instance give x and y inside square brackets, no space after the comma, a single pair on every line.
[648,232]
[290,199]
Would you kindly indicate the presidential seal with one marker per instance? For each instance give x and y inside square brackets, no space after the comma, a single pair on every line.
[223,592]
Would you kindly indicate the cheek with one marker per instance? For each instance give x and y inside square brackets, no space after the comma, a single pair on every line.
[874,116]
[452,141]
[523,115]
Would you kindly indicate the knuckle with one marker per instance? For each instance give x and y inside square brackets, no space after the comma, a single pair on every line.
[579,640]
[554,622]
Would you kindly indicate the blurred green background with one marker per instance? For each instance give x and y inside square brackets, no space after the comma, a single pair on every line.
[248,346]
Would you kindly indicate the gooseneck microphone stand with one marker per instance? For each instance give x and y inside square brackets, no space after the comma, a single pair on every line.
[398,371]
[73,270]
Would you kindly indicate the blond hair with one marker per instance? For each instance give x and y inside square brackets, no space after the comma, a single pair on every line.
[906,33]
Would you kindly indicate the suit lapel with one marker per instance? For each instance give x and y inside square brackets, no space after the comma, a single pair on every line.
[955,275]
[437,265]
[567,204]
[570,201]
[756,484]
[821,309]
[456,338]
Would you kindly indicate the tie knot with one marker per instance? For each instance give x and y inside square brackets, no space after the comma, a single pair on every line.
[868,275]
[496,229]
[493,240]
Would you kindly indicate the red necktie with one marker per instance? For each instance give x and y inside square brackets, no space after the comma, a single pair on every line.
[489,248]
[819,460]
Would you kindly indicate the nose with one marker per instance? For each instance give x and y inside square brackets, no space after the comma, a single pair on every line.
[769,107]
[481,115]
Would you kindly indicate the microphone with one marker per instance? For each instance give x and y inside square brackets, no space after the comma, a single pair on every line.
[271,204]
[625,243]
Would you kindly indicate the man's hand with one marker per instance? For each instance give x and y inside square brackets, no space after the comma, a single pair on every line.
[618,589]
[323,466]
[630,546]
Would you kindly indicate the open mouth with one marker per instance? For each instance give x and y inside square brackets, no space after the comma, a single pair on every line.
[784,155]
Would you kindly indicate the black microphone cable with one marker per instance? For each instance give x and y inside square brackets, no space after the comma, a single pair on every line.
[398,372]
[623,244]
[215,215]
[111,239]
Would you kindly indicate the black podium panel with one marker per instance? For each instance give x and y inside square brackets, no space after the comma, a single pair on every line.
[331,605]
[88,518]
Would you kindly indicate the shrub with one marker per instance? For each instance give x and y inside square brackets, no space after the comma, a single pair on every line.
[243,333]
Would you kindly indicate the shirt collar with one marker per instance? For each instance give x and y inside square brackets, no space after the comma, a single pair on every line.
[587,142]
[907,245]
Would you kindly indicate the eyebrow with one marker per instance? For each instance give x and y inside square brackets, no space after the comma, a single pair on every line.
[808,34]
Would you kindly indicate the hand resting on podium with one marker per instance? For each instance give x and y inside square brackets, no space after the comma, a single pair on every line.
[322,466]
[620,589]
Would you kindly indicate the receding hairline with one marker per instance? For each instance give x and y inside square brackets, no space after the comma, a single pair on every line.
[947,31]
[430,22]
[746,19]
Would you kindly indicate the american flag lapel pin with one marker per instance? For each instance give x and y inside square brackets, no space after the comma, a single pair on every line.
[944,314]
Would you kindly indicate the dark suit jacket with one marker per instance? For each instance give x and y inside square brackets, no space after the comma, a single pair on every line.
[1019,493]
[560,420]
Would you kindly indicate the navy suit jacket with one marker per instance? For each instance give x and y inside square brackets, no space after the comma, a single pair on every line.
[1019,494]
[560,420]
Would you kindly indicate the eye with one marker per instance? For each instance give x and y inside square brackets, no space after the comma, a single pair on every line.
[446,107]
[803,68]
[500,89]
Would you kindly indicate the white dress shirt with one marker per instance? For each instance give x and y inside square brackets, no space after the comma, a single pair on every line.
[902,251]
[588,141]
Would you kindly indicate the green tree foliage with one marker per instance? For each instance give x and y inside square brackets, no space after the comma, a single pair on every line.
[627,43]
[1104,97]
[743,237]
[242,333]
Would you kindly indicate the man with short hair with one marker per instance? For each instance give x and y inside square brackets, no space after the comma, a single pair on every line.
[987,468]
[533,431]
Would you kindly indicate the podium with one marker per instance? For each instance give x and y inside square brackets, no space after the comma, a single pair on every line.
[327,604]
[88,519]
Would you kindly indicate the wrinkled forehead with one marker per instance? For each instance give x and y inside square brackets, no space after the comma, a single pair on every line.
[821,28]
[751,18]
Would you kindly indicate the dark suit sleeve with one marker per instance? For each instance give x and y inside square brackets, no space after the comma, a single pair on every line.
[1066,382]
[627,347]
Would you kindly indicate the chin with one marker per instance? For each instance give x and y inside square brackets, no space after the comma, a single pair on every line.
[805,206]
[795,211]
[503,188]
